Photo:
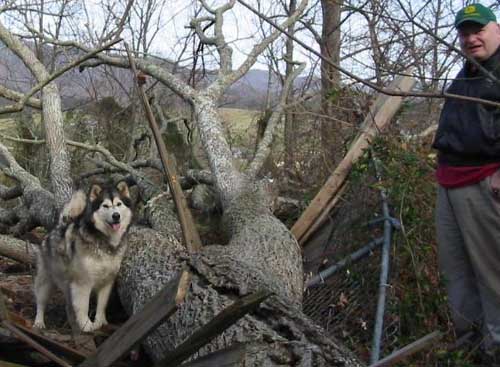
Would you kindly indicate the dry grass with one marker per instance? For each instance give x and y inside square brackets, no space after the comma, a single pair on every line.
[7,124]
[241,125]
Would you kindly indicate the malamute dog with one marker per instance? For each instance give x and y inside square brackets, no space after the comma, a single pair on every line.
[84,252]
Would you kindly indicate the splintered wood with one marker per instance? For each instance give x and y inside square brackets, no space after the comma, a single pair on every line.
[139,325]
[378,118]
[190,233]
[216,326]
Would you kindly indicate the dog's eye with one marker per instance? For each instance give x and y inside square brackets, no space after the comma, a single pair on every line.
[119,204]
[105,206]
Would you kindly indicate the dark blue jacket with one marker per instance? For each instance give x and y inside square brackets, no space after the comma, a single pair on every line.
[469,132]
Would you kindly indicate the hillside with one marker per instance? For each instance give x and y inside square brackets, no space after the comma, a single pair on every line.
[79,88]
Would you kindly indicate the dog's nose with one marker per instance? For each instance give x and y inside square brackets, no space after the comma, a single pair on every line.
[116,217]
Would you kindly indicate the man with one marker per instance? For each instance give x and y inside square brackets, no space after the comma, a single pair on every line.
[468,202]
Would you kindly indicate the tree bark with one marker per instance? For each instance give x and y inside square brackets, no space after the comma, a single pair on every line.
[330,76]
[290,128]
[18,250]
[37,207]
[52,117]
[227,178]
[60,173]
[278,333]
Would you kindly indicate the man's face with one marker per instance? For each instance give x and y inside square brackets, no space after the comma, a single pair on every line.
[478,41]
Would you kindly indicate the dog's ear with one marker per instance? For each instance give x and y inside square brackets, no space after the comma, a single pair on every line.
[122,188]
[95,190]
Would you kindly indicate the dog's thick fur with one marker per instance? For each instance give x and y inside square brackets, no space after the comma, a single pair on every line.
[84,252]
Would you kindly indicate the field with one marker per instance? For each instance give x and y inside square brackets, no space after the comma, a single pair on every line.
[7,125]
[241,125]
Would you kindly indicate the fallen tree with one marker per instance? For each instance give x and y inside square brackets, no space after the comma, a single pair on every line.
[261,253]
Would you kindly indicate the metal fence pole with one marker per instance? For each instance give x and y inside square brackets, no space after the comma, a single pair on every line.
[355,256]
[384,273]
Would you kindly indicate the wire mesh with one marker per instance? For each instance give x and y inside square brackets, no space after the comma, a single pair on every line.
[345,304]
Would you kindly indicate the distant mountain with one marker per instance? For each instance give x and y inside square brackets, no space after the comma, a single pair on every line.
[78,88]
[251,90]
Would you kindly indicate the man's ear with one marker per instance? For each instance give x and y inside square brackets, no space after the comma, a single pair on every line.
[122,188]
[94,192]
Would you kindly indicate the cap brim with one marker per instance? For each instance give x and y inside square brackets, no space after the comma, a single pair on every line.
[472,20]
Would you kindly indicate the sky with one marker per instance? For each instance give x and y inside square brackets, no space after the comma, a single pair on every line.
[173,18]
[241,29]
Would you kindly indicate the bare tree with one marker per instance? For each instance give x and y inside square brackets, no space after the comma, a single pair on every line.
[290,128]
[261,253]
[52,116]
[330,76]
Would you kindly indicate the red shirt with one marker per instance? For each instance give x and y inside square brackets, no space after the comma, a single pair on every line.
[458,176]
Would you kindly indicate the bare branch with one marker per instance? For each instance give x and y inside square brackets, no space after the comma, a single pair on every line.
[450,46]
[37,207]
[121,22]
[11,168]
[8,193]
[222,83]
[18,96]
[27,99]
[170,80]
[264,147]
[389,92]
[196,25]
[52,117]
[225,52]
[18,250]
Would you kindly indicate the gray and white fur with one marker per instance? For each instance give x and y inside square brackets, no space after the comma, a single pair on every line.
[83,253]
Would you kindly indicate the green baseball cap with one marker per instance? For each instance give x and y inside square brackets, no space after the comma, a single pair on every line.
[476,13]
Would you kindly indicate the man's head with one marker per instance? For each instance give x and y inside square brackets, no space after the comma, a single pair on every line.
[478,31]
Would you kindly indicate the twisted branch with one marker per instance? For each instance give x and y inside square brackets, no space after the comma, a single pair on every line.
[264,146]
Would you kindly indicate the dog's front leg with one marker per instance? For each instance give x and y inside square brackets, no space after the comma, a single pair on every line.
[43,287]
[80,297]
[102,301]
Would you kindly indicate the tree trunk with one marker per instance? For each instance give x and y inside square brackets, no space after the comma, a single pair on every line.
[330,77]
[255,258]
[290,128]
[52,118]
[228,180]
[60,173]
[261,254]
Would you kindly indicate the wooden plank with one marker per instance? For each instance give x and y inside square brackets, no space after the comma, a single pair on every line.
[63,350]
[216,326]
[10,364]
[190,233]
[410,349]
[231,356]
[370,128]
[38,347]
[324,215]
[137,327]
[4,312]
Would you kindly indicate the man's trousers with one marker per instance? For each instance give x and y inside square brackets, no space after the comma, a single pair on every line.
[468,234]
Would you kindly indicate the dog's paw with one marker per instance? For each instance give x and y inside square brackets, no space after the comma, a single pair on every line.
[100,322]
[39,324]
[87,326]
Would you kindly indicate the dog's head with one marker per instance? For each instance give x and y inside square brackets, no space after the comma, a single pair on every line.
[110,205]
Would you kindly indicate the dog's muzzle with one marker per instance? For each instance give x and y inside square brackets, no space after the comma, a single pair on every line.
[115,225]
